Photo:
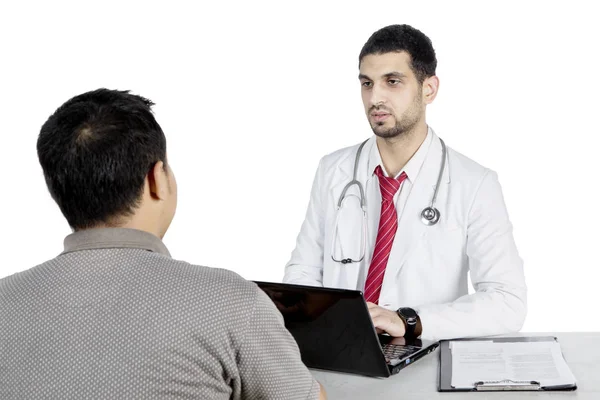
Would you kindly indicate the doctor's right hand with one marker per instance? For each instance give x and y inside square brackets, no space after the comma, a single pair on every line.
[386,321]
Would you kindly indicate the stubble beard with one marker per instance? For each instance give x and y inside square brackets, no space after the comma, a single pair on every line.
[404,125]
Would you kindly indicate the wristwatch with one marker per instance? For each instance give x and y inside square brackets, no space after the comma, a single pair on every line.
[411,320]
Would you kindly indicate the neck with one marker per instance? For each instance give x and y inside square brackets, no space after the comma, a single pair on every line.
[143,226]
[137,221]
[397,151]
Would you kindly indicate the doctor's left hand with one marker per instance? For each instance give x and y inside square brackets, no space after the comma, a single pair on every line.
[386,320]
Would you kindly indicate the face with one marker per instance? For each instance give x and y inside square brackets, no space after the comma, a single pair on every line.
[391,94]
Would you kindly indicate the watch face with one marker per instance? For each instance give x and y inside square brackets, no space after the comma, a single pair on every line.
[408,312]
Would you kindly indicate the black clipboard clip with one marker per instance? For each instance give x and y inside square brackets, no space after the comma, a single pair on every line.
[506,385]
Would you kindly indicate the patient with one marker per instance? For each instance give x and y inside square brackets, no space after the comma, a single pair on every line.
[114,316]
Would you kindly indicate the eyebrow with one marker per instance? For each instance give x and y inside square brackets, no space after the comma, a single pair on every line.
[393,74]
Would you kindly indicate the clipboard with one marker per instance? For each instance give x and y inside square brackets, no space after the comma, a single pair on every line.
[445,371]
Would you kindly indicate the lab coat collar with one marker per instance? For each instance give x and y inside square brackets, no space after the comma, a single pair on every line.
[412,167]
[367,164]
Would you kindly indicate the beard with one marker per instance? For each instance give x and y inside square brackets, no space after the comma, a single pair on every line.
[406,123]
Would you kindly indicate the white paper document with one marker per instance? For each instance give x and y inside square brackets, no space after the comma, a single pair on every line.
[498,363]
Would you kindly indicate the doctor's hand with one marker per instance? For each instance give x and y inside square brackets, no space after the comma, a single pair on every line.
[386,320]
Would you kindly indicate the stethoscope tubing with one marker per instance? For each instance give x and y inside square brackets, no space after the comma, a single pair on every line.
[429,216]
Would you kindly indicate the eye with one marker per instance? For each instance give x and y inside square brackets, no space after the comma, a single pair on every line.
[394,82]
[367,84]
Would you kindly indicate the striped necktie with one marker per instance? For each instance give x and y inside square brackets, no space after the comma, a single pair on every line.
[388,224]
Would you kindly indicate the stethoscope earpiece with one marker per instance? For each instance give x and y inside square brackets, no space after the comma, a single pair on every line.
[430,216]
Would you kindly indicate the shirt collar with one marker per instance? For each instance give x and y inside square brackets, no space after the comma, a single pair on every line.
[412,167]
[113,238]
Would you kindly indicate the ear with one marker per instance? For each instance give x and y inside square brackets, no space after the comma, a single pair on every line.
[430,89]
[158,181]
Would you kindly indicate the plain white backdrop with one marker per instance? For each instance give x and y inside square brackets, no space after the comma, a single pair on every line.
[252,94]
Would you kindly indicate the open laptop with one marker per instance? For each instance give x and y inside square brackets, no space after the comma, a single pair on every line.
[334,331]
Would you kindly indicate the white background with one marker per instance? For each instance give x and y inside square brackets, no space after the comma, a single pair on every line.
[251,95]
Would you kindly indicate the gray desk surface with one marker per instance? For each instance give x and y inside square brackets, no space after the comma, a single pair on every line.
[420,380]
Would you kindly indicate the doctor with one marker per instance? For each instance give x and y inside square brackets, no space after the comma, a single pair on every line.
[404,218]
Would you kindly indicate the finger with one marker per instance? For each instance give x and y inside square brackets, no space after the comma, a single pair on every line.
[400,341]
[371,305]
[389,325]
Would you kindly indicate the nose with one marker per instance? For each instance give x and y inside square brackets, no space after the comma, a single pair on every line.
[377,96]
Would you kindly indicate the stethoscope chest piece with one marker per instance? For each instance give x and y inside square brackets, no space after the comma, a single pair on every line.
[430,216]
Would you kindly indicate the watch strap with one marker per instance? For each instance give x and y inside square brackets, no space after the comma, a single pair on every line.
[412,324]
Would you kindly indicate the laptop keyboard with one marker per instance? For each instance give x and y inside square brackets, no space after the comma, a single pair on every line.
[396,352]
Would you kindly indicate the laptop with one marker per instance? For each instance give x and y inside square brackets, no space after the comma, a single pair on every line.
[334,331]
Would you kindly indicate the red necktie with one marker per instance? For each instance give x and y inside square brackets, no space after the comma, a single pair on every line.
[388,224]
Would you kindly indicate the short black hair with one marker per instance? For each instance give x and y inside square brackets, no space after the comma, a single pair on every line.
[95,151]
[397,38]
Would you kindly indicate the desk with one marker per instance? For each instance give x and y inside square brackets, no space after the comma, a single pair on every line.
[419,381]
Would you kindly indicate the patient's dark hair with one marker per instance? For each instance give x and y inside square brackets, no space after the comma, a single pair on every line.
[397,38]
[95,151]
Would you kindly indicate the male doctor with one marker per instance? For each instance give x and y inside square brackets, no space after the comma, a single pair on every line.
[428,216]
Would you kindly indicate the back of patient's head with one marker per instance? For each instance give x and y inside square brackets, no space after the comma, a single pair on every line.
[96,151]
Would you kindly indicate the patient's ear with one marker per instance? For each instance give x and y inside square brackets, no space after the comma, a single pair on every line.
[158,181]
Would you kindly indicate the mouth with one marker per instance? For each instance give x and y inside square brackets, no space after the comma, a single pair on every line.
[380,116]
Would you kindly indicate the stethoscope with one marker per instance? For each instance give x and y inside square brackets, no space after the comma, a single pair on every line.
[429,216]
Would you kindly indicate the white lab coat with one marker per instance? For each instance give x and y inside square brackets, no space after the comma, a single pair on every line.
[428,265]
